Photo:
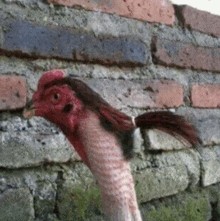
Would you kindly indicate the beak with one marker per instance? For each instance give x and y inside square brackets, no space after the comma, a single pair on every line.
[29,110]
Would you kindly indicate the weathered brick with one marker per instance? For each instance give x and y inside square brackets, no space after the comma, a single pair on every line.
[179,54]
[210,165]
[161,182]
[139,94]
[24,38]
[31,143]
[160,11]
[205,95]
[160,140]
[13,92]
[203,21]
[207,122]
[17,204]
[166,93]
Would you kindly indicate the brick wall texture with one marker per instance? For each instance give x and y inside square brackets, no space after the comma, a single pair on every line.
[160,11]
[13,92]
[26,39]
[139,55]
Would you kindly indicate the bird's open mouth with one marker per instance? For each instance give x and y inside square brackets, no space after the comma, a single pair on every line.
[29,111]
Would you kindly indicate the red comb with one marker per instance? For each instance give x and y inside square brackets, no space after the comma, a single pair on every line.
[50,76]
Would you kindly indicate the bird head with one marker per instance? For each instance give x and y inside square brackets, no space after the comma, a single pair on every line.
[56,101]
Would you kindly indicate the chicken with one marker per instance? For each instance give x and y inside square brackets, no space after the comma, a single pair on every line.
[97,131]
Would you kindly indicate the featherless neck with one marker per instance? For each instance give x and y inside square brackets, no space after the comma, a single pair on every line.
[91,127]
[98,142]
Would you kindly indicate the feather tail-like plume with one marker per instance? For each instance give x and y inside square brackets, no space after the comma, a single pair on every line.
[170,123]
[166,121]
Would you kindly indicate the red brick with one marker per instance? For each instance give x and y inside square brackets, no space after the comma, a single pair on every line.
[179,54]
[199,20]
[165,93]
[205,95]
[160,11]
[13,92]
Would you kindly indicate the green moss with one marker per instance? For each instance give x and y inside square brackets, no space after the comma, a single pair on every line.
[66,205]
[86,200]
[138,194]
[164,214]
[195,210]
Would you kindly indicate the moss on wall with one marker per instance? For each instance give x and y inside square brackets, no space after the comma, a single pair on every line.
[86,200]
[194,210]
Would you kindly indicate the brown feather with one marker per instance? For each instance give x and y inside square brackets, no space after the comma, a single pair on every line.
[170,123]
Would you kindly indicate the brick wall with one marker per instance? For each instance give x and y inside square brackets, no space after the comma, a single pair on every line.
[138,55]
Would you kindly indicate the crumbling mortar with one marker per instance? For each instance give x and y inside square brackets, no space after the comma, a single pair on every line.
[59,183]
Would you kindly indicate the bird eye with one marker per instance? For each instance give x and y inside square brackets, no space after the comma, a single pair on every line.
[55,97]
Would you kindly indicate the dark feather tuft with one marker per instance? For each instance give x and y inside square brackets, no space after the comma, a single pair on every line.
[170,123]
